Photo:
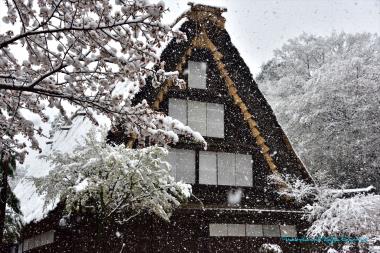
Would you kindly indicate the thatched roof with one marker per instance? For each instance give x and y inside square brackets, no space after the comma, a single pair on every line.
[205,30]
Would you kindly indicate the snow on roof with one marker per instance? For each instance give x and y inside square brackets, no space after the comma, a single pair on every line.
[355,190]
[64,140]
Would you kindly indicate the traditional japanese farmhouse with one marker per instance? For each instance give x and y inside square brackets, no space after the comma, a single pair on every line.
[234,208]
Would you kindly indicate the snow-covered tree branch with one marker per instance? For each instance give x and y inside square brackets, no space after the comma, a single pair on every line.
[94,55]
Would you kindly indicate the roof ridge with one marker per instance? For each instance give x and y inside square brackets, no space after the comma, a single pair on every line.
[202,14]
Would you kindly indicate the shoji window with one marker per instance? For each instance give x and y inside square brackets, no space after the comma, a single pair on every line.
[183,164]
[220,168]
[243,168]
[226,169]
[207,168]
[197,77]
[206,118]
[215,120]
[218,229]
[197,112]
[271,231]
[178,109]
[252,230]
[236,229]
[288,231]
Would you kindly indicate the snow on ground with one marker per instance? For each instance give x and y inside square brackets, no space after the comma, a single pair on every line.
[64,140]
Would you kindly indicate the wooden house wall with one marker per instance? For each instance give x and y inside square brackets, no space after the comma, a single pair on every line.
[188,231]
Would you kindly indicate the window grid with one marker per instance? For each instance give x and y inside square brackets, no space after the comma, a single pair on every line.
[226,173]
[232,230]
[190,111]
[201,167]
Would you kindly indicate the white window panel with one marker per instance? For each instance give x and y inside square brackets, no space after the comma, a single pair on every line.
[271,230]
[178,109]
[236,229]
[172,160]
[218,229]
[254,230]
[197,116]
[207,168]
[185,165]
[197,77]
[226,169]
[243,170]
[215,120]
[288,231]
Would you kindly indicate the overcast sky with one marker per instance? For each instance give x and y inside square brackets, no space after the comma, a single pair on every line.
[257,27]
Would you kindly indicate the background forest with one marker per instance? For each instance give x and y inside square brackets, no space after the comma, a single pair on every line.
[325,93]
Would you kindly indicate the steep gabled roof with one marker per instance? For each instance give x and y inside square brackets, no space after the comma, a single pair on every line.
[205,30]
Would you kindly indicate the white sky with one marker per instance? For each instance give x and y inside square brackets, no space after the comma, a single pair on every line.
[257,27]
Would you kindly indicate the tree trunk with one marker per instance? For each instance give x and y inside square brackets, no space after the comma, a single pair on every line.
[3,196]
[100,236]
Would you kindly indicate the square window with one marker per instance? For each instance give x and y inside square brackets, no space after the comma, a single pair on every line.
[288,231]
[254,230]
[236,229]
[271,230]
[215,120]
[197,77]
[243,170]
[197,116]
[226,169]
[207,168]
[218,229]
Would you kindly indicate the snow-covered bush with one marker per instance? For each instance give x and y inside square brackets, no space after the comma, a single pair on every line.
[110,180]
[356,216]
[332,214]
[294,188]
[270,248]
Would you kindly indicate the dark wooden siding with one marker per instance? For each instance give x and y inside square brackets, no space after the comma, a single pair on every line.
[188,231]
